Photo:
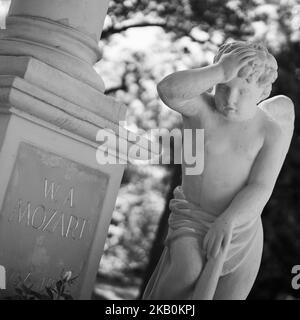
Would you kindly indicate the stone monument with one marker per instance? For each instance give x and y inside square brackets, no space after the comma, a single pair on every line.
[56,201]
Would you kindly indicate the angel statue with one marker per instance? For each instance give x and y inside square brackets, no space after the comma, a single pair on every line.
[214,243]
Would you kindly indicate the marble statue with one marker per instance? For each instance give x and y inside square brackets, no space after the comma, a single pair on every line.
[215,238]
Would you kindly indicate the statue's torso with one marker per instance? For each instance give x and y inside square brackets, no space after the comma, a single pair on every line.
[229,154]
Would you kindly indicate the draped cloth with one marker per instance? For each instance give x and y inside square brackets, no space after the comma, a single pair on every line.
[188,219]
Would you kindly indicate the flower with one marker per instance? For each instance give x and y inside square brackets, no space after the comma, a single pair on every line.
[67,276]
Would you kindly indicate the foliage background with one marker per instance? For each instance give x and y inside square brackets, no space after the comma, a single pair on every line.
[143,41]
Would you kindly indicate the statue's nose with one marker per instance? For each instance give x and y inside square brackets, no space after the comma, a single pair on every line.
[231,99]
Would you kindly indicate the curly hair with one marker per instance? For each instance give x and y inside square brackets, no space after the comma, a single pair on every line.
[263,70]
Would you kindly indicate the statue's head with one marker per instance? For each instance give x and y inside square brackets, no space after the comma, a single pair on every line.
[263,70]
[255,79]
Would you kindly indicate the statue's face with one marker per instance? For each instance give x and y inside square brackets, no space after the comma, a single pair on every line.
[237,99]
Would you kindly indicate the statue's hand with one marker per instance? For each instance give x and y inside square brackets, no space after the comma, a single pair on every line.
[218,237]
[232,63]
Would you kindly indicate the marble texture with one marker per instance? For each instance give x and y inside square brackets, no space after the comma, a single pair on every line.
[215,240]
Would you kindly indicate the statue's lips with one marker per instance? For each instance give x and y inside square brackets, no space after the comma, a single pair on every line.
[230,109]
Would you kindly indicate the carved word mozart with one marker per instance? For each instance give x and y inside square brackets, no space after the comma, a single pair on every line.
[51,219]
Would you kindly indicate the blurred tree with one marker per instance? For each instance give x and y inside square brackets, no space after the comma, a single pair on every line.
[207,24]
[187,34]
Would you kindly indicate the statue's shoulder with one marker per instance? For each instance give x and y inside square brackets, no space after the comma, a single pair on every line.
[280,111]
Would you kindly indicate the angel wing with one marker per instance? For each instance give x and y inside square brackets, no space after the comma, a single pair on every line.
[281,110]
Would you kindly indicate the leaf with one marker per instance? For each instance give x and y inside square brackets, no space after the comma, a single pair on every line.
[36,294]
[72,280]
[25,289]
[49,292]
[59,285]
[63,288]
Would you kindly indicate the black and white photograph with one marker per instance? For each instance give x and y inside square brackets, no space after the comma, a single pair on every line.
[149,152]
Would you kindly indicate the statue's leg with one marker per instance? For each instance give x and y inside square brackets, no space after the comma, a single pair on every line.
[237,285]
[160,269]
[206,284]
[183,268]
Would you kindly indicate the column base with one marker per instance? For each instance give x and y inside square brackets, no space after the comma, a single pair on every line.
[56,204]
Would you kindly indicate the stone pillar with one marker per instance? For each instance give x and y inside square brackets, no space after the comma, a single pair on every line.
[63,34]
[56,200]
[86,16]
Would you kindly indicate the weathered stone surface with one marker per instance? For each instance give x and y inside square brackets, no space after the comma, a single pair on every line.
[48,219]
[84,15]
[40,75]
[56,200]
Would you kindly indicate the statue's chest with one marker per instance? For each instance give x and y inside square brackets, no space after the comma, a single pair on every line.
[242,143]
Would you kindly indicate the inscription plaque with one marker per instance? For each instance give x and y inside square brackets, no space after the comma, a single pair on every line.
[48,220]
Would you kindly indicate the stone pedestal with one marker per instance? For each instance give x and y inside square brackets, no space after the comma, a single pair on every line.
[56,201]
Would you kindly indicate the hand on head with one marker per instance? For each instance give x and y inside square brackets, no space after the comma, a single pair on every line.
[248,60]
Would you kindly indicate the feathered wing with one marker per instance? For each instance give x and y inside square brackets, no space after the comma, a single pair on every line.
[281,110]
